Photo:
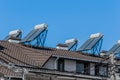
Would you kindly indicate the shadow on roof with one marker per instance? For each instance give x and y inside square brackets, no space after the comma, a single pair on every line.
[2,48]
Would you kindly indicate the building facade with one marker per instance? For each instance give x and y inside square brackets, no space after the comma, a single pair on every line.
[24,62]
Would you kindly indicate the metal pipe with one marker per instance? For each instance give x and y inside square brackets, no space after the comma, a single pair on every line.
[56,63]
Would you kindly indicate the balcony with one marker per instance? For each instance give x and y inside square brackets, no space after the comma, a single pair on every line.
[68,74]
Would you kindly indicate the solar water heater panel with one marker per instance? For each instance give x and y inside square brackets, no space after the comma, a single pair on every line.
[114,48]
[93,43]
[7,38]
[71,45]
[29,35]
[117,50]
[36,34]
[83,47]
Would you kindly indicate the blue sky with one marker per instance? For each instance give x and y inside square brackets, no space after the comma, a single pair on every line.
[66,19]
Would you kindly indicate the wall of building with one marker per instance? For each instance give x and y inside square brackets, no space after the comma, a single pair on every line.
[52,77]
[50,64]
[117,76]
[70,65]
[92,69]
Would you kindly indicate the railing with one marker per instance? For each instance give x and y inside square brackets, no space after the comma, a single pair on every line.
[68,74]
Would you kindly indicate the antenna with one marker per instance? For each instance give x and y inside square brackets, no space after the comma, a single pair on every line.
[15,34]
[93,44]
[70,44]
[37,35]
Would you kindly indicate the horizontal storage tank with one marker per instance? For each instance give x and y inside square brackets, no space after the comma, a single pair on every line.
[71,41]
[41,26]
[96,35]
[14,32]
[119,41]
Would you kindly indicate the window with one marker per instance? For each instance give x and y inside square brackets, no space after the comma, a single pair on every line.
[87,68]
[80,68]
[118,71]
[96,69]
[101,70]
[60,65]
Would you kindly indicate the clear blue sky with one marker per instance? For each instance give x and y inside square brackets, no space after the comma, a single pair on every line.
[66,19]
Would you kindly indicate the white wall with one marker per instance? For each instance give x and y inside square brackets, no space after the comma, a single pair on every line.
[92,68]
[64,48]
[70,65]
[50,64]
[117,76]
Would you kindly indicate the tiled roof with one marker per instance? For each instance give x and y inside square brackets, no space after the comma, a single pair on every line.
[62,45]
[7,72]
[25,55]
[21,55]
[68,54]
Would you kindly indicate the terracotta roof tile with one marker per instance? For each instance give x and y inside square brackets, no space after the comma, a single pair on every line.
[37,56]
[7,72]
[25,55]
[22,55]
[68,54]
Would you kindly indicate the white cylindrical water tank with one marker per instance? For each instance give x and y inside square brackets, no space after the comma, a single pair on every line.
[119,41]
[96,35]
[71,40]
[41,26]
[15,32]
